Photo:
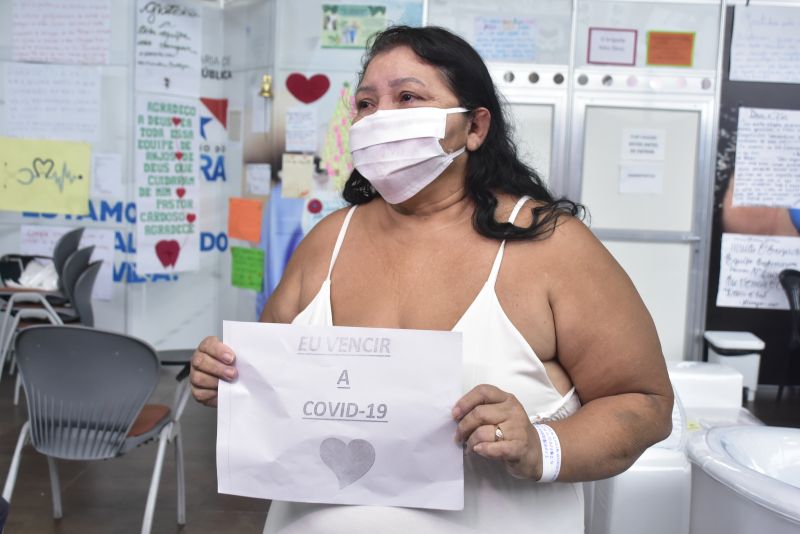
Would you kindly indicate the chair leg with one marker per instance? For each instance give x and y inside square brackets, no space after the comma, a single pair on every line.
[149,509]
[55,487]
[3,329]
[180,474]
[5,347]
[8,489]
[787,367]
[17,387]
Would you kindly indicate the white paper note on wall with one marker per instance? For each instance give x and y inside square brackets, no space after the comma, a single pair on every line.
[168,46]
[749,268]
[301,129]
[352,406]
[641,179]
[643,144]
[609,46]
[41,240]
[107,175]
[765,46]
[767,158]
[63,31]
[259,178]
[45,101]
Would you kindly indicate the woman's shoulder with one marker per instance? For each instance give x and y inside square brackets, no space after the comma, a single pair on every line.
[568,239]
[322,237]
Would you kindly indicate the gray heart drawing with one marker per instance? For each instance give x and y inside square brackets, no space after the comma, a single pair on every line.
[348,462]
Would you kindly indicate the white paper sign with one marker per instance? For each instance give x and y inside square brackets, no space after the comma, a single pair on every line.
[45,101]
[766,44]
[259,178]
[301,129]
[41,240]
[749,268]
[609,46]
[643,144]
[168,47]
[63,31]
[166,165]
[641,179]
[767,158]
[341,415]
[107,175]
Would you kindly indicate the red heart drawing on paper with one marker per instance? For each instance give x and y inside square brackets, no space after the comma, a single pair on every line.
[167,251]
[176,121]
[191,217]
[307,90]
[179,155]
[180,192]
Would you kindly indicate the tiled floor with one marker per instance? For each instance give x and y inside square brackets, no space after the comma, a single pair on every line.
[109,497]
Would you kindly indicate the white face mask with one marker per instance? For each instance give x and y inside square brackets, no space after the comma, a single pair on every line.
[398,150]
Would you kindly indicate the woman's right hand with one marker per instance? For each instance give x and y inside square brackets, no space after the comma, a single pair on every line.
[211,361]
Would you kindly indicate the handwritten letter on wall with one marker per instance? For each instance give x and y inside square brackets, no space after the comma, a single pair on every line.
[749,268]
[44,101]
[767,158]
[61,31]
[166,185]
[766,44]
[168,47]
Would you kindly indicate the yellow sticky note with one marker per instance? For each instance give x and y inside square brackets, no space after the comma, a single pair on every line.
[44,176]
[297,175]
[244,218]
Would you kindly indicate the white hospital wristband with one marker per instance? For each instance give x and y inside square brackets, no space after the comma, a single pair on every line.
[551,453]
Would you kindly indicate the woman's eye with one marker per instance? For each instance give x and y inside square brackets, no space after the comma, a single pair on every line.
[363,104]
[407,97]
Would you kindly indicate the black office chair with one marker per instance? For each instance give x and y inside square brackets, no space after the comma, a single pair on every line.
[790,280]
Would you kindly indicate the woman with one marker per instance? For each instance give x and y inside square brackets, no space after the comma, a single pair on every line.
[456,233]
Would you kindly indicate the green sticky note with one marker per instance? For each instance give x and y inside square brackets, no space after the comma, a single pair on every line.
[247,270]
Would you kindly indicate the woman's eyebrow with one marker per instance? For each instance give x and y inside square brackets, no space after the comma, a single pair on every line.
[392,83]
[400,81]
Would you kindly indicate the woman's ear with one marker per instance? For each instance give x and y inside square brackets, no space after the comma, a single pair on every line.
[480,120]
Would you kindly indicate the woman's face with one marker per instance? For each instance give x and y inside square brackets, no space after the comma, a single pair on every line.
[398,79]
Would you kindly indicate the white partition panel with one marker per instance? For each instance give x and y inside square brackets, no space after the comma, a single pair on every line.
[610,167]
[533,133]
[661,274]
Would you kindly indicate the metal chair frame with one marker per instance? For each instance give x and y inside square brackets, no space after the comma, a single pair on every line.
[85,389]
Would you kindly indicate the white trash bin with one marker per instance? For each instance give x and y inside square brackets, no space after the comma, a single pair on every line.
[740,350]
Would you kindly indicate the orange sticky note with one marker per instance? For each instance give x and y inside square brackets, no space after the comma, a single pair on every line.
[244,218]
[672,49]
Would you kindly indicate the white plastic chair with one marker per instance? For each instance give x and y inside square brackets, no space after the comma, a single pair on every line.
[87,391]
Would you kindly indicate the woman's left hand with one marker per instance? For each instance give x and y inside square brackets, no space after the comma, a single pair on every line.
[479,414]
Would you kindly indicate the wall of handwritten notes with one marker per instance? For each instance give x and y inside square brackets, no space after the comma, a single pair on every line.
[200,143]
[114,115]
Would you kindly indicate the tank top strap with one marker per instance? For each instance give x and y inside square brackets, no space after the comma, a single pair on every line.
[499,258]
[340,239]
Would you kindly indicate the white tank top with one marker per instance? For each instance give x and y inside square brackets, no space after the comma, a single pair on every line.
[496,353]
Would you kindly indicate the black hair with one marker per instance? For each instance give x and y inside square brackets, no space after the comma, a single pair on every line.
[493,168]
